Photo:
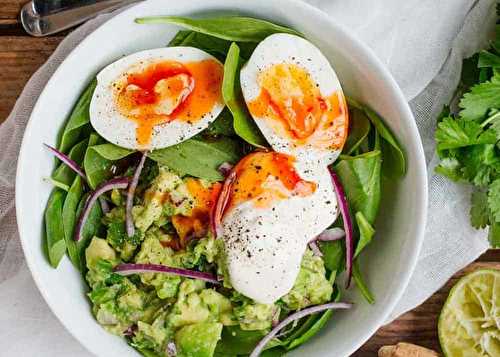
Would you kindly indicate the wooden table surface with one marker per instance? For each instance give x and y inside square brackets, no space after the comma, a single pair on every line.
[21,55]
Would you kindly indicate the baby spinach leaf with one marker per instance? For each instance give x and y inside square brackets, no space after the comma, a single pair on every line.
[235,341]
[243,123]
[99,159]
[393,154]
[199,158]
[366,233]
[333,255]
[223,125]
[360,176]
[313,330]
[54,229]
[179,37]
[360,283]
[111,152]
[63,174]
[93,227]
[273,352]
[77,120]
[69,219]
[301,328]
[217,47]
[58,184]
[359,127]
[231,28]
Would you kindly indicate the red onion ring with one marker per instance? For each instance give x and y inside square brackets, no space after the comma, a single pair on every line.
[221,204]
[67,161]
[348,227]
[315,249]
[293,317]
[331,234]
[129,221]
[118,183]
[130,268]
[225,168]
[171,349]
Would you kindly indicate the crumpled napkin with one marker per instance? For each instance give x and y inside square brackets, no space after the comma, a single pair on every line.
[422,42]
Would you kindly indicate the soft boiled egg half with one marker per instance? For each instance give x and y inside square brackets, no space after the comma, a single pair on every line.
[271,209]
[157,98]
[295,98]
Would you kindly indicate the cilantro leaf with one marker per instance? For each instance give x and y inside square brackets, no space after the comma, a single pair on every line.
[451,168]
[479,215]
[480,164]
[479,100]
[494,200]
[452,134]
[494,235]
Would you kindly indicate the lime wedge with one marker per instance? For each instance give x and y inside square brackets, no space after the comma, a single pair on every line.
[469,324]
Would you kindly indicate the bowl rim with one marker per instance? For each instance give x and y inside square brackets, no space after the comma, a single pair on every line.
[401,105]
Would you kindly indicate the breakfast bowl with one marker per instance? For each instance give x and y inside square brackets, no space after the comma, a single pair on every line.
[388,262]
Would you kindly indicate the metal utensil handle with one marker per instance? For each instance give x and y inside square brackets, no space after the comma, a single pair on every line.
[43,25]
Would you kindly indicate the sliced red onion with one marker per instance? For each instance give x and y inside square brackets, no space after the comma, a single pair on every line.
[104,205]
[225,168]
[129,269]
[293,317]
[349,233]
[314,247]
[331,234]
[130,331]
[171,349]
[67,161]
[221,204]
[129,221]
[118,183]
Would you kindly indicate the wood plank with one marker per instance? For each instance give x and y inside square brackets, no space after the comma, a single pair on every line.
[10,9]
[418,326]
[20,57]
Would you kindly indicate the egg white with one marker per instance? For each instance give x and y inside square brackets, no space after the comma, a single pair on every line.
[285,48]
[264,246]
[117,128]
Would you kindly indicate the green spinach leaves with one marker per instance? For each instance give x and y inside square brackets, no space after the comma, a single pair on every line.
[231,28]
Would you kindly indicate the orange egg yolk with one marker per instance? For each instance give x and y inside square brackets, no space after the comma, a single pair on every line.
[166,91]
[265,177]
[196,225]
[292,104]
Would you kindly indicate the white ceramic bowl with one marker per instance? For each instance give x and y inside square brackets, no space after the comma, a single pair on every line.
[388,262]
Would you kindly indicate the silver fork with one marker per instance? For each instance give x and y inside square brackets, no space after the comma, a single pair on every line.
[39,25]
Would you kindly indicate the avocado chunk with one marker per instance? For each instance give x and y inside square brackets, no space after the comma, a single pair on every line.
[311,286]
[166,186]
[198,340]
[98,249]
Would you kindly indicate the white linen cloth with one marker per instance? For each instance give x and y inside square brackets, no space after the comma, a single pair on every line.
[422,42]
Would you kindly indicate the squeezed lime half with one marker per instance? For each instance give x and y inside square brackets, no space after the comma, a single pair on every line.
[469,324]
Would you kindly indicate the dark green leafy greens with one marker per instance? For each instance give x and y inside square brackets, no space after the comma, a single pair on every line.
[468,139]
[199,158]
[54,229]
[231,28]
[78,119]
[394,157]
[243,123]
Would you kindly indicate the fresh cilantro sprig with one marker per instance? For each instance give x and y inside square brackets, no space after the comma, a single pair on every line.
[468,140]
